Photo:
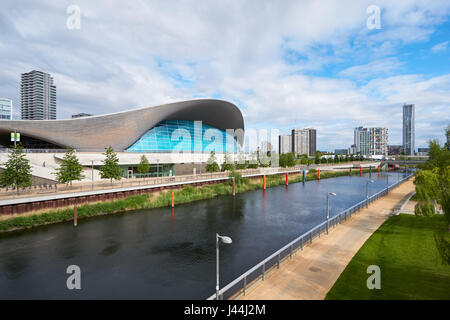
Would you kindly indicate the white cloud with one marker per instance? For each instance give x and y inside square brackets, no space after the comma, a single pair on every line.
[130,54]
[440,47]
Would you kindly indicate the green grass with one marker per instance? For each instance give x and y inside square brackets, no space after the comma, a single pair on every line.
[185,195]
[411,266]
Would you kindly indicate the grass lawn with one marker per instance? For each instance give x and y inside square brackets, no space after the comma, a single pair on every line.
[411,267]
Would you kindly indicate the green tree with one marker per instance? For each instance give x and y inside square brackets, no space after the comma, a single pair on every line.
[17,172]
[433,182]
[111,169]
[290,159]
[144,165]
[227,164]
[70,168]
[211,164]
[317,157]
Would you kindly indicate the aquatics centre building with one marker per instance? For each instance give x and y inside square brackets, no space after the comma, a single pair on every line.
[172,136]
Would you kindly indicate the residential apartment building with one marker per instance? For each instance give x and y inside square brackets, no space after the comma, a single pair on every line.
[38,96]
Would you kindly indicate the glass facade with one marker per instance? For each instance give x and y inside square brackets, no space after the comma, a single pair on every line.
[5,109]
[185,136]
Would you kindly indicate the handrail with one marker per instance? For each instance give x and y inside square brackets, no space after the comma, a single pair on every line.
[308,235]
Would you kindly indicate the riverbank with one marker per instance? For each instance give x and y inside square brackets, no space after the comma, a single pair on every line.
[160,199]
[310,274]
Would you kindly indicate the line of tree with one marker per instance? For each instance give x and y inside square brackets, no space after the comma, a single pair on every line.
[433,182]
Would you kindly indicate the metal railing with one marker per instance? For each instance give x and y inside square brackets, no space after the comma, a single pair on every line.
[241,284]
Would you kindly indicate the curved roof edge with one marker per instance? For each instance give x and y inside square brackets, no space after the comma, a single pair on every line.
[121,129]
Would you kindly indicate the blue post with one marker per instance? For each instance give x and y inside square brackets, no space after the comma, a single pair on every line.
[303,175]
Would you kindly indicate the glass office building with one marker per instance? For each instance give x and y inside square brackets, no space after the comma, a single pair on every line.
[409,130]
[185,136]
[6,109]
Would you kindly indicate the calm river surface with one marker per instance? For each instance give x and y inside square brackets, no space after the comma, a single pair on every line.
[160,254]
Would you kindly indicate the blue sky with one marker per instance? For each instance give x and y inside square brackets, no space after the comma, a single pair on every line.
[289,64]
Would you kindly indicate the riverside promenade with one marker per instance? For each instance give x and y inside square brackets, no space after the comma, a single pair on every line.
[311,273]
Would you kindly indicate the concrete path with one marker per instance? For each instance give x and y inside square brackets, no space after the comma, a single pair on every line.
[311,273]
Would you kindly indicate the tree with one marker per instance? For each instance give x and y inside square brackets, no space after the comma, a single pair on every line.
[70,168]
[144,165]
[17,172]
[211,164]
[317,157]
[227,164]
[447,136]
[111,169]
[433,182]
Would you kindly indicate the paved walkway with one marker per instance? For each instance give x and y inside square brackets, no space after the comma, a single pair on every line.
[311,273]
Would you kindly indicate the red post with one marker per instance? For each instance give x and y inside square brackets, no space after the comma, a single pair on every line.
[379,170]
[264,182]
[393,167]
[75,216]
[360,170]
[318,173]
[173,200]
[287,178]
[234,190]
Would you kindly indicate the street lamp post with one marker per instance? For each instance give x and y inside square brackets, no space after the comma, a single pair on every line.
[227,240]
[157,169]
[367,192]
[92,161]
[328,212]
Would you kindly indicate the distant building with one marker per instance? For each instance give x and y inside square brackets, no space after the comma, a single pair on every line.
[423,151]
[341,151]
[371,141]
[6,106]
[352,149]
[409,130]
[38,96]
[266,147]
[395,150]
[312,141]
[284,143]
[304,141]
[300,141]
[81,115]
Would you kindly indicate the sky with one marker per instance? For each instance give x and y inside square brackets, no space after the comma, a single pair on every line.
[330,65]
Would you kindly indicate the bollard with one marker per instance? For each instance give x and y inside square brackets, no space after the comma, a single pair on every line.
[318,174]
[173,202]
[303,176]
[75,216]
[287,179]
[234,190]
[264,182]
[360,170]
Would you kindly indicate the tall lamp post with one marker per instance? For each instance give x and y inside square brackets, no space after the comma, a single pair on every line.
[328,211]
[227,240]
[367,192]
[92,161]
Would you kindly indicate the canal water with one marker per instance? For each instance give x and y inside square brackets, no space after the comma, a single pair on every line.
[169,254]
